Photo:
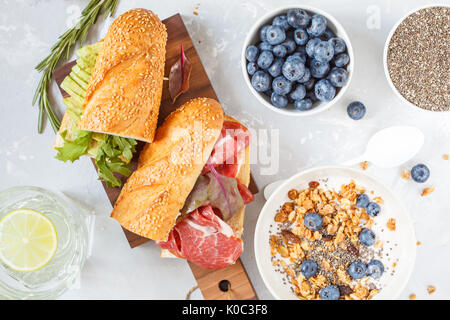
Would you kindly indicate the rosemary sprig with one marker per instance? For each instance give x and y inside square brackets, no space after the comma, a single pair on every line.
[61,49]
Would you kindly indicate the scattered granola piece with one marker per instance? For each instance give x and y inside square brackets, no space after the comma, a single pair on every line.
[419,243]
[427,191]
[431,289]
[391,224]
[293,194]
[445,157]
[364,165]
[406,174]
[378,200]
[412,296]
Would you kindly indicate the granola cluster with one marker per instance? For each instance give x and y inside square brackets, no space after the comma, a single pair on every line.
[333,247]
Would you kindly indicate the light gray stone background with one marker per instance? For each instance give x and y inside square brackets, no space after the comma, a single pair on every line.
[28,28]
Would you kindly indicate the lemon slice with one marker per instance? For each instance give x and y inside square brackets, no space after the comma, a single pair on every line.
[28,240]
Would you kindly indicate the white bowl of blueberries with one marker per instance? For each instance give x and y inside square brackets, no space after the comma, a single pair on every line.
[297,61]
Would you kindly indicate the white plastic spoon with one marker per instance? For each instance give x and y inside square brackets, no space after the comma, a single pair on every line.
[388,148]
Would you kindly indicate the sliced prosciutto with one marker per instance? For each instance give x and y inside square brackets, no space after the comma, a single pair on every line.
[204,239]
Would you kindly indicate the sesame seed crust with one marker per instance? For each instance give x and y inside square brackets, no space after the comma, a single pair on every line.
[125,88]
[168,168]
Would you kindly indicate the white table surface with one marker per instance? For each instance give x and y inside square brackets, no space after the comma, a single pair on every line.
[113,271]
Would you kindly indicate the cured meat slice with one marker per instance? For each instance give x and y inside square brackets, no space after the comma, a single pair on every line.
[204,239]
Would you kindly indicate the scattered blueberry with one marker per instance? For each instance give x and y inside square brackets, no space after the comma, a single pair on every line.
[327,35]
[324,91]
[293,69]
[298,18]
[313,221]
[362,201]
[338,77]
[298,93]
[281,85]
[297,55]
[311,46]
[290,45]
[420,173]
[252,68]
[341,60]
[367,237]
[323,51]
[329,292]
[375,269]
[308,268]
[303,105]
[319,69]
[251,53]
[275,35]
[265,59]
[301,37]
[263,33]
[356,110]
[275,68]
[281,21]
[265,46]
[338,45]
[261,81]
[357,270]
[309,85]
[279,50]
[373,209]
[318,25]
[306,76]
[278,101]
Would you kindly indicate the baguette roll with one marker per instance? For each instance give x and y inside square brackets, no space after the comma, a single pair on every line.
[124,92]
[168,168]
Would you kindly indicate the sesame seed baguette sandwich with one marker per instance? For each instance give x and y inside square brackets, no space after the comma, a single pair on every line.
[115,93]
[191,186]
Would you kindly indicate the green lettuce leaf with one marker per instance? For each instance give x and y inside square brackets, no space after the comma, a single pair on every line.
[73,149]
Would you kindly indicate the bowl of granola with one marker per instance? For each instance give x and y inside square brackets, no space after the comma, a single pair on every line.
[334,233]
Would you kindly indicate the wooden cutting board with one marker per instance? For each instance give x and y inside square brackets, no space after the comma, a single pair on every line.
[213,284]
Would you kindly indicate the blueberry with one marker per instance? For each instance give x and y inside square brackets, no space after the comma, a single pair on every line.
[375,269]
[311,46]
[319,69]
[298,18]
[265,46]
[261,81]
[420,173]
[301,37]
[298,93]
[265,59]
[367,237]
[313,221]
[338,45]
[293,69]
[281,85]
[290,45]
[251,53]
[373,209]
[303,105]
[308,268]
[309,85]
[323,51]
[324,91]
[338,77]
[341,60]
[306,76]
[312,96]
[275,68]
[318,25]
[327,35]
[362,201]
[252,68]
[275,35]
[281,21]
[279,101]
[356,110]
[263,33]
[279,50]
[297,55]
[329,292]
[357,270]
